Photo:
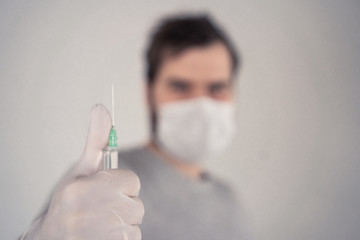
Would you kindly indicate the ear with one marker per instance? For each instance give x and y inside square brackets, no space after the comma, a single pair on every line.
[147,92]
[149,95]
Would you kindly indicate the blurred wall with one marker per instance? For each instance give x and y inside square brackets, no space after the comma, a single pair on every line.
[295,160]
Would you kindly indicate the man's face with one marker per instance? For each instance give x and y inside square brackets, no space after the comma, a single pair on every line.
[196,72]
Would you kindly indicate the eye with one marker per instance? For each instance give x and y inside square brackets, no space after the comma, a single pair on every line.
[218,88]
[179,86]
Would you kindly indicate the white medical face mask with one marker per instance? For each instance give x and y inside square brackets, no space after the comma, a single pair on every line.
[197,129]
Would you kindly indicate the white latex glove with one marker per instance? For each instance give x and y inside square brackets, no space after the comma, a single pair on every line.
[91,204]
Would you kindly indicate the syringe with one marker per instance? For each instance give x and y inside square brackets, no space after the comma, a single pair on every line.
[110,152]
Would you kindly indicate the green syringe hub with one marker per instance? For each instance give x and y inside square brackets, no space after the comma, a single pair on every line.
[113,138]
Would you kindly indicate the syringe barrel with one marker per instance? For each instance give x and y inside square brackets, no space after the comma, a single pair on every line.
[110,158]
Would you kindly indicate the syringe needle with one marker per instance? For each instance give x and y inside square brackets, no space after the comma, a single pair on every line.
[110,153]
[112,104]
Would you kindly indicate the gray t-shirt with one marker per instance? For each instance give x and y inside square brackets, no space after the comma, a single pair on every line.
[177,207]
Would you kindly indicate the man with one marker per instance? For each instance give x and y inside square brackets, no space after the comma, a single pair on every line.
[191,68]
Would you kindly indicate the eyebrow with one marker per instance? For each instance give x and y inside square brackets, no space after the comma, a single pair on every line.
[178,80]
[219,82]
[215,81]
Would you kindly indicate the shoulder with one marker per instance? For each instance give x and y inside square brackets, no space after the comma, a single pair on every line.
[136,158]
[223,188]
[128,155]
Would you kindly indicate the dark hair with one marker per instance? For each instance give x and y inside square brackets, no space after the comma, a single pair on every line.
[177,33]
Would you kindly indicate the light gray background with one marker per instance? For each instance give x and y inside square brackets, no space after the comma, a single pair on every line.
[295,160]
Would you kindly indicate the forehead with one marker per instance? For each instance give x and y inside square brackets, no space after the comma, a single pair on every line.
[212,62]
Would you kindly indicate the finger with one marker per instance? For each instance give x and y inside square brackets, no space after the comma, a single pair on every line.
[125,181]
[127,211]
[124,232]
[97,139]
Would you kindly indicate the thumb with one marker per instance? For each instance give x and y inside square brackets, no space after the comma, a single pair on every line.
[97,139]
